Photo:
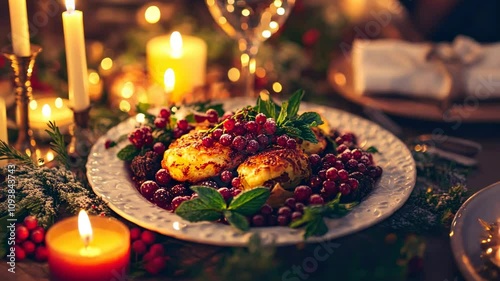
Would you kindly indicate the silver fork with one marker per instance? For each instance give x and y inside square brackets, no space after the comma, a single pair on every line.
[455,149]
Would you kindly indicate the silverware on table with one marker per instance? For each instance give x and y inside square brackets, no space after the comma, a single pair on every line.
[455,149]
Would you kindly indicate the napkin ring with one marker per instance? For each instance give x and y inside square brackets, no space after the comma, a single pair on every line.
[454,59]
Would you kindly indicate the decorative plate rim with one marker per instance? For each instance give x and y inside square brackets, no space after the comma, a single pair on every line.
[457,236]
[108,177]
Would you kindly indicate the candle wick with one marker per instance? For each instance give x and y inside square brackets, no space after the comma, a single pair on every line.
[86,242]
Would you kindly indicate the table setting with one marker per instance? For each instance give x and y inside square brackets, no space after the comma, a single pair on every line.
[236,140]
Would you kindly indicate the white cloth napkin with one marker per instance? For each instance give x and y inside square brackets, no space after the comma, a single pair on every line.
[399,67]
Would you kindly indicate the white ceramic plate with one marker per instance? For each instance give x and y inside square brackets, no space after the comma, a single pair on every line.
[466,232]
[109,179]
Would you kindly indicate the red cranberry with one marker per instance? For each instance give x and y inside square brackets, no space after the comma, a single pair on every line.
[316,199]
[302,193]
[163,177]
[148,237]
[148,188]
[164,113]
[30,222]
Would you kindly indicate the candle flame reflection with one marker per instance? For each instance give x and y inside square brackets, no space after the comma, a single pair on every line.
[59,103]
[84,227]
[169,80]
[33,104]
[70,5]
[46,111]
[176,44]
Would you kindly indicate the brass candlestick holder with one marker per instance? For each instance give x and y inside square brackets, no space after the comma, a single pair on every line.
[82,139]
[22,68]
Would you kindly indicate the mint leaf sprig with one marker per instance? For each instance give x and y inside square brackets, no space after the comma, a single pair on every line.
[313,218]
[287,118]
[210,206]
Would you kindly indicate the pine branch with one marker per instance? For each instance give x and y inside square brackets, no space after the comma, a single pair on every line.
[8,152]
[58,145]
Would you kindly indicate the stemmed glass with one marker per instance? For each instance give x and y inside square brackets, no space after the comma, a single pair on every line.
[250,22]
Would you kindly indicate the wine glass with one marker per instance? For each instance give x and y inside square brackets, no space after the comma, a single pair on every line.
[250,22]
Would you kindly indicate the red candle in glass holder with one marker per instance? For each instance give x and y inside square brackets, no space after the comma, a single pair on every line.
[83,248]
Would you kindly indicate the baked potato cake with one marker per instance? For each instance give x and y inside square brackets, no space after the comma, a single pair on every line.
[188,160]
[284,166]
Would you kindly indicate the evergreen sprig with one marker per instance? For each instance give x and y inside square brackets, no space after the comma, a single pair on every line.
[8,152]
[58,145]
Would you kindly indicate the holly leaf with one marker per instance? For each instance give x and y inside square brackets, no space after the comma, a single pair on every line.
[292,131]
[294,103]
[283,114]
[268,107]
[307,134]
[372,149]
[313,218]
[249,202]
[128,153]
[237,220]
[316,227]
[211,197]
[311,119]
[197,210]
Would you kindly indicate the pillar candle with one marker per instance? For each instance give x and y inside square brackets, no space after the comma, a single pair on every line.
[75,56]
[19,28]
[185,55]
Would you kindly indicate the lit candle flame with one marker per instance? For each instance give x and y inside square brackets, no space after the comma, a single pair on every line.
[70,6]
[46,111]
[169,80]
[59,103]
[176,44]
[84,227]
[33,104]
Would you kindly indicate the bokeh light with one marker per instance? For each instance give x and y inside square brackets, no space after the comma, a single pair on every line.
[152,14]
[233,74]
[277,87]
[106,63]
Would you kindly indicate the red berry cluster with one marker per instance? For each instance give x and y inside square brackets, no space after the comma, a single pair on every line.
[332,174]
[162,122]
[267,216]
[30,240]
[247,135]
[141,137]
[144,247]
[210,115]
[168,194]
[162,119]
[341,173]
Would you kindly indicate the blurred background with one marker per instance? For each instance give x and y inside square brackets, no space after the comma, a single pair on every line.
[297,56]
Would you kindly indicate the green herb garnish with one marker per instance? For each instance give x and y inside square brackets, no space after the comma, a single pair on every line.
[313,218]
[287,118]
[210,206]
